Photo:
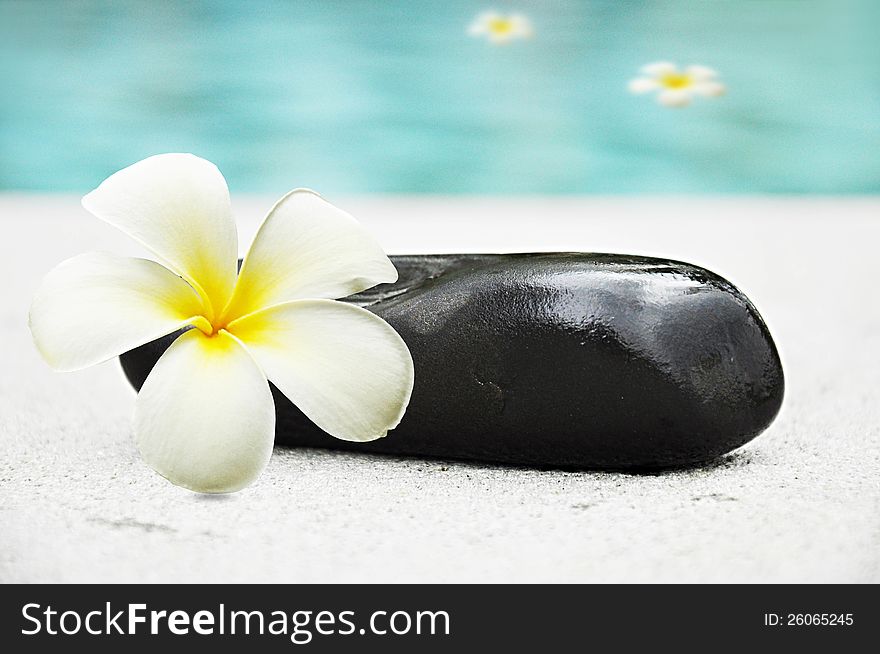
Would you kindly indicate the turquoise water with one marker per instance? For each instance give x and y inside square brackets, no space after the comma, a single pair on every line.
[368,97]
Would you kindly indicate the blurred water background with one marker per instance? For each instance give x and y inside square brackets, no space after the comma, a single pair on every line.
[352,96]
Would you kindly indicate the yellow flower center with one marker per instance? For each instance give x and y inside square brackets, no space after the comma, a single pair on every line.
[676,81]
[500,25]
[207,327]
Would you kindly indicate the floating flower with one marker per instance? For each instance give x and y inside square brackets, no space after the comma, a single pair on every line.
[676,88]
[205,418]
[500,28]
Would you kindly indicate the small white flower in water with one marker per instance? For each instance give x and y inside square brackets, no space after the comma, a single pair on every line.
[676,88]
[501,28]
[205,418]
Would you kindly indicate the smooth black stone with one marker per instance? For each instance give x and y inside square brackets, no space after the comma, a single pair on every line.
[598,361]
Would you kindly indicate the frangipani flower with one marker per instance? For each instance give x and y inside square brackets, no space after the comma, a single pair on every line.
[499,28]
[676,88]
[205,418]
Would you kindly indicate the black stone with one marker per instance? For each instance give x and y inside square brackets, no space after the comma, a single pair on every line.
[593,361]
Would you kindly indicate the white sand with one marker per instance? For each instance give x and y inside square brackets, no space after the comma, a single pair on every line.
[801,503]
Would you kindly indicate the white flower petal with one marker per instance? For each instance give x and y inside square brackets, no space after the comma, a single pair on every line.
[177,205]
[307,248]
[674,98]
[710,89]
[481,23]
[344,367]
[96,306]
[521,25]
[700,73]
[643,85]
[205,419]
[487,17]
[659,69]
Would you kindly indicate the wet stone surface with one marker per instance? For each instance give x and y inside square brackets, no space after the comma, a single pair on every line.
[584,361]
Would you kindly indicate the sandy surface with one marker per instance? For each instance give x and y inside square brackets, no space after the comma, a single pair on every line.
[801,503]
